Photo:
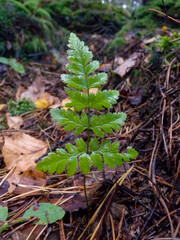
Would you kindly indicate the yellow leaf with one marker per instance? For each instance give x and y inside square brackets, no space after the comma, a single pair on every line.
[1,106]
[46,100]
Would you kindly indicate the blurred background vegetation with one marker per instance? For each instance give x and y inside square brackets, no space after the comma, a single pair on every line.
[32,28]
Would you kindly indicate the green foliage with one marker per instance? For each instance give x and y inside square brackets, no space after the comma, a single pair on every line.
[46,212]
[3,213]
[81,66]
[118,42]
[21,106]
[166,43]
[12,62]
[70,120]
[35,44]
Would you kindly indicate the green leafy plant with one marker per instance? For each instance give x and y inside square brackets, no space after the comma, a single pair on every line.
[47,213]
[21,106]
[12,62]
[92,152]
[168,43]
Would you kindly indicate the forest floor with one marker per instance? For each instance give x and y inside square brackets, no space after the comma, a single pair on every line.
[147,204]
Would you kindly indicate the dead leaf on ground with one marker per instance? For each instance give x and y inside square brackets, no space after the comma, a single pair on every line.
[135,97]
[36,89]
[149,41]
[2,106]
[14,122]
[45,100]
[118,61]
[106,67]
[4,187]
[28,179]
[19,91]
[128,64]
[20,151]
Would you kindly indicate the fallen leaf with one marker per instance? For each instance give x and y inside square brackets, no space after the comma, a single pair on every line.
[2,106]
[36,89]
[135,97]
[106,67]
[19,91]
[46,100]
[28,179]
[64,101]
[93,90]
[118,61]
[4,187]
[128,64]
[14,122]
[149,41]
[20,151]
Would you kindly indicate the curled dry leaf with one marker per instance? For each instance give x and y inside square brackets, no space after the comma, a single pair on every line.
[36,89]
[14,122]
[128,64]
[20,151]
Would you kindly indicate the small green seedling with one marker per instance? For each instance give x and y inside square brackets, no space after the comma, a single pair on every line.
[91,152]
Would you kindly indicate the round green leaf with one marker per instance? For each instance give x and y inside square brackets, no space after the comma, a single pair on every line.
[46,212]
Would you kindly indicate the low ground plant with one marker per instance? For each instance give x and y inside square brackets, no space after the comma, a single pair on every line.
[88,151]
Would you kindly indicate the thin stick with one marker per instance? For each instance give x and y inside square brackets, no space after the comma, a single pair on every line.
[154,10]
[112,225]
[120,225]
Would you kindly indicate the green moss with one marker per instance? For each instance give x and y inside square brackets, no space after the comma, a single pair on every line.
[34,45]
[60,7]
[116,43]
[18,6]
[41,12]
[21,106]
[32,5]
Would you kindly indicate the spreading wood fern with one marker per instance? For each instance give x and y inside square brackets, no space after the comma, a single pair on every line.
[90,152]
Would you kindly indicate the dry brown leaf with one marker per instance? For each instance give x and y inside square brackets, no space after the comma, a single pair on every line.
[28,179]
[46,100]
[64,101]
[118,61]
[2,106]
[93,90]
[128,64]
[149,41]
[36,89]
[106,67]
[20,151]
[14,122]
[20,90]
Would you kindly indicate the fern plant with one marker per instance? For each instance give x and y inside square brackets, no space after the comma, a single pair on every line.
[90,152]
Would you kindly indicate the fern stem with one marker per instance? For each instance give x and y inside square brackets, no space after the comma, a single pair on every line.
[86,193]
[88,137]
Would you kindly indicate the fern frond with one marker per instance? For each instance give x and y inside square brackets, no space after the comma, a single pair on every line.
[70,120]
[107,123]
[97,101]
[57,162]
[109,154]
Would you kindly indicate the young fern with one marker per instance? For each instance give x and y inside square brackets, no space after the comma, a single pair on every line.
[91,152]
